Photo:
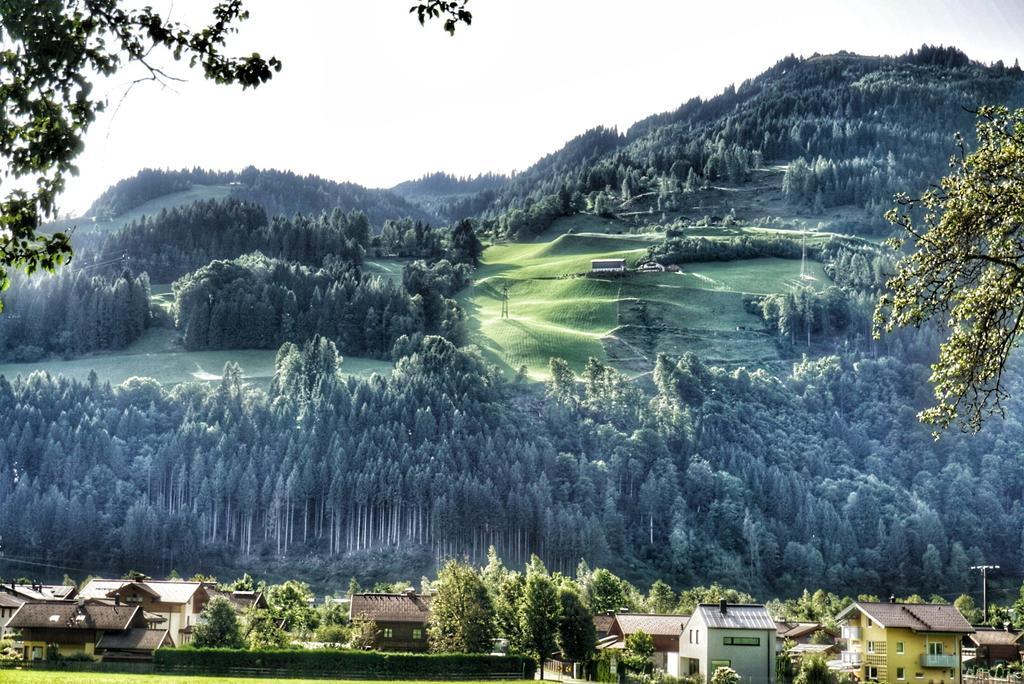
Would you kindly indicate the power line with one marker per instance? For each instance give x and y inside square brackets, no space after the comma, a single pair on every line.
[984,587]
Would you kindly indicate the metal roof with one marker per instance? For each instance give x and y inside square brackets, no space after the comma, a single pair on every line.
[167,591]
[736,616]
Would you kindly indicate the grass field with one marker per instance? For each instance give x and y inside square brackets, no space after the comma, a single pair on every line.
[150,208]
[45,677]
[623,320]
[155,355]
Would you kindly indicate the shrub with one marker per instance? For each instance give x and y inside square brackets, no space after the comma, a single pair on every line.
[344,663]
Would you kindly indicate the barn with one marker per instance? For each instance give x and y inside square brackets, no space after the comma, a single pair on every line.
[607,265]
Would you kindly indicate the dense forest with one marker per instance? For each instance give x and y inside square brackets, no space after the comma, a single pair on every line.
[72,313]
[706,475]
[179,240]
[258,303]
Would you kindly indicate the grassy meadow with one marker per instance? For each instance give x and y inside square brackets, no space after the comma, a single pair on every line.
[623,320]
[56,677]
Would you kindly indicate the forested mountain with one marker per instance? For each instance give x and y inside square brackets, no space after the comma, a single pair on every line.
[820,478]
[856,129]
[450,197]
[278,192]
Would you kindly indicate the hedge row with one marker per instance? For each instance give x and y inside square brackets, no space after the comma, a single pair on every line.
[361,664]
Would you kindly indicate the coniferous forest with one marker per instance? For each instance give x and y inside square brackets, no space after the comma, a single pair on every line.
[767,477]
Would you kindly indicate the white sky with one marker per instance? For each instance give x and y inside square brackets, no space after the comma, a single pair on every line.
[367,95]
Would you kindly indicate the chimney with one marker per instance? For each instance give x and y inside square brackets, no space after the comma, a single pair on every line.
[723,606]
[609,612]
[81,604]
[117,599]
[892,598]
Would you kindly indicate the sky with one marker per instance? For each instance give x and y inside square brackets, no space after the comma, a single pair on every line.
[367,95]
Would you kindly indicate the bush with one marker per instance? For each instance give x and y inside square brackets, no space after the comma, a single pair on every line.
[343,663]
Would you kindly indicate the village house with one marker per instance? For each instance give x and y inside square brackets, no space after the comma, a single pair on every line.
[803,633]
[34,591]
[173,605]
[8,606]
[400,619]
[992,647]
[607,265]
[664,631]
[899,642]
[740,636]
[603,623]
[241,600]
[50,629]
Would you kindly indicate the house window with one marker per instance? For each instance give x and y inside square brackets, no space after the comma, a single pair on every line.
[919,675]
[388,633]
[900,673]
[741,641]
[715,664]
[417,634]
[899,648]
[871,647]
[696,634]
[871,673]
[870,623]
[934,648]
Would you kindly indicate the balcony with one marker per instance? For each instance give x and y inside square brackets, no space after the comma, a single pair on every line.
[943,661]
[851,633]
[851,658]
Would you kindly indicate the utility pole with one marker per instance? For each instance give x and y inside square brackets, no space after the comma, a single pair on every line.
[984,587]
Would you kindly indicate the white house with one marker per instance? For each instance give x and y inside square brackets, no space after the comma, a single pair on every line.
[740,636]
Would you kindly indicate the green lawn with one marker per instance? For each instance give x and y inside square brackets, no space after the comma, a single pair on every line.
[150,208]
[53,677]
[156,356]
[553,312]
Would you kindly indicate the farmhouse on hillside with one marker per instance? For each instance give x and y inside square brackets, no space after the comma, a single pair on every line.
[400,619]
[607,265]
[903,641]
[52,629]
[664,631]
[740,636]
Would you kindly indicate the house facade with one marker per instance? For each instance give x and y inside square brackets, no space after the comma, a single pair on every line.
[8,606]
[401,619]
[171,605]
[740,636]
[663,629]
[51,629]
[903,642]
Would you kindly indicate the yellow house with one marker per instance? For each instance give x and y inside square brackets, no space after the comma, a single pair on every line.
[903,642]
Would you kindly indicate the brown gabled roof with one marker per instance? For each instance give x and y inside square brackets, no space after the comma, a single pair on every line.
[71,615]
[919,617]
[241,600]
[136,639]
[651,623]
[602,623]
[995,637]
[408,607]
[795,630]
[164,591]
[8,601]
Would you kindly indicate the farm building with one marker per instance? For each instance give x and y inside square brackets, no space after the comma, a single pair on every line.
[664,631]
[607,265]
[401,619]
